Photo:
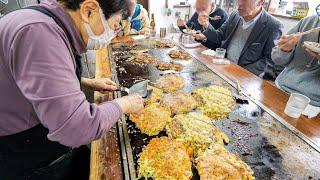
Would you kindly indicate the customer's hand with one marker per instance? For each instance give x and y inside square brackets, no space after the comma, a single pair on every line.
[216,18]
[131,104]
[312,53]
[102,84]
[203,19]
[180,22]
[199,37]
[288,42]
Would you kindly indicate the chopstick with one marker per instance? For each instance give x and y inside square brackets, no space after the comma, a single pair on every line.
[212,18]
[309,31]
[276,42]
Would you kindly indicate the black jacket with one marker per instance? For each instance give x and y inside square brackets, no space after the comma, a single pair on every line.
[256,54]
[194,24]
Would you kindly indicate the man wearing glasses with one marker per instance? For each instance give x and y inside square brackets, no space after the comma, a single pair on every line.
[302,65]
[217,17]
[248,36]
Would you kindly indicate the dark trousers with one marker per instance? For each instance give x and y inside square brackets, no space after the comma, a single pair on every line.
[29,155]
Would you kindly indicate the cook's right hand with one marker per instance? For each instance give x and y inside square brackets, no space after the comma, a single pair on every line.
[288,42]
[180,22]
[130,104]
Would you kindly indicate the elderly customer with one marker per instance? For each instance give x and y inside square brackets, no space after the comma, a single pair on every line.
[218,17]
[138,23]
[302,66]
[248,35]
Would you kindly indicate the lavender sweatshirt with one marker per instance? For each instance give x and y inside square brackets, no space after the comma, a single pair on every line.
[38,83]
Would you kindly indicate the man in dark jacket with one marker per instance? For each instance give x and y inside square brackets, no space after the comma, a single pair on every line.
[248,36]
[218,17]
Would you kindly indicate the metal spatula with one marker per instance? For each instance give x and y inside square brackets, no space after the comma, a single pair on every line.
[140,88]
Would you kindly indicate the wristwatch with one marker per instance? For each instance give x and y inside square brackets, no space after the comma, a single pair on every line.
[205,40]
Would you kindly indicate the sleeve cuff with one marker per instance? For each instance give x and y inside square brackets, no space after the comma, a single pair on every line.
[113,109]
[281,57]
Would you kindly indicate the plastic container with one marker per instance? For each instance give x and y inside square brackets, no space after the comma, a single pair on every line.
[220,53]
[296,104]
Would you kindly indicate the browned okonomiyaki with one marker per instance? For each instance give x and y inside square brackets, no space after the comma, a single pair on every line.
[179,102]
[169,66]
[163,159]
[217,163]
[143,58]
[179,54]
[152,119]
[170,83]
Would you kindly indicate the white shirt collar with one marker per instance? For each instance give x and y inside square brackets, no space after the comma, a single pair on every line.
[247,24]
[213,10]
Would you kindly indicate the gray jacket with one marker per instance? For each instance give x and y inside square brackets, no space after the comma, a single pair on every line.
[297,77]
[256,54]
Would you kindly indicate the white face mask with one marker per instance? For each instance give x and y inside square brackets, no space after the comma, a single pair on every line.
[98,42]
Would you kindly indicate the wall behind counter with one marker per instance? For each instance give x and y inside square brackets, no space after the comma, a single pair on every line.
[158,8]
[287,23]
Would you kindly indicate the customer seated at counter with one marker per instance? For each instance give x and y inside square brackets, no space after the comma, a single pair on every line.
[138,23]
[44,115]
[302,65]
[248,35]
[208,7]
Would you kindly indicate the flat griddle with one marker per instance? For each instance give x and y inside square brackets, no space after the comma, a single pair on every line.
[267,146]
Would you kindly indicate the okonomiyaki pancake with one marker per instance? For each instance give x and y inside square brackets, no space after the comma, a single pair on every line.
[155,96]
[169,66]
[152,119]
[164,44]
[164,158]
[179,102]
[143,58]
[196,130]
[170,83]
[215,102]
[179,54]
[217,163]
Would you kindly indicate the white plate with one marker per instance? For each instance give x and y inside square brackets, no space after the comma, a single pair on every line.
[191,32]
[208,52]
[193,45]
[315,47]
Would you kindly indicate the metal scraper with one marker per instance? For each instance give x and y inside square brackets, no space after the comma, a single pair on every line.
[140,88]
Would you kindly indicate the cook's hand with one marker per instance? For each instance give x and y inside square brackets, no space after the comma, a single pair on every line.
[180,22]
[288,42]
[102,84]
[199,37]
[312,53]
[131,104]
[203,19]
